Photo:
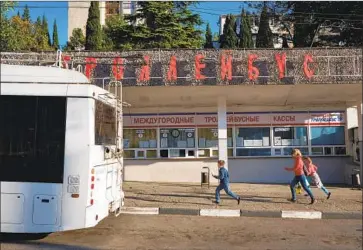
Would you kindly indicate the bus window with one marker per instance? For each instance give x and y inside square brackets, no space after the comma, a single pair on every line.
[105,124]
[32,138]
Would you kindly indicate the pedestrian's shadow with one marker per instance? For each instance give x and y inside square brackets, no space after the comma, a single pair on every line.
[209,197]
[170,202]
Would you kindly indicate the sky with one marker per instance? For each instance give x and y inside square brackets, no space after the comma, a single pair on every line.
[209,12]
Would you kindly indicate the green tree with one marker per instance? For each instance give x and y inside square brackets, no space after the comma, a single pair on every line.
[93,28]
[264,37]
[229,39]
[40,36]
[7,31]
[166,25]
[46,30]
[18,14]
[26,14]
[22,38]
[115,34]
[77,40]
[55,35]
[245,35]
[208,38]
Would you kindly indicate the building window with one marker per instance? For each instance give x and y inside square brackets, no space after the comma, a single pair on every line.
[327,135]
[105,124]
[140,143]
[253,151]
[177,142]
[208,142]
[112,8]
[253,142]
[328,140]
[290,136]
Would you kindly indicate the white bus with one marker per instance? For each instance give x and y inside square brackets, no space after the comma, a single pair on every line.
[60,150]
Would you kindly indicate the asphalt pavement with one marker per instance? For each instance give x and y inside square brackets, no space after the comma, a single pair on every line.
[139,232]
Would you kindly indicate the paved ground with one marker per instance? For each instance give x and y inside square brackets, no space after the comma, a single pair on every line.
[254,197]
[131,232]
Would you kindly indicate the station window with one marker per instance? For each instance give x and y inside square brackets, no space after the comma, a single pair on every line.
[208,142]
[290,136]
[253,142]
[327,135]
[140,143]
[328,140]
[177,142]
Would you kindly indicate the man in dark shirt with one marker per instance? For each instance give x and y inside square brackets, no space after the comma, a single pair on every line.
[224,183]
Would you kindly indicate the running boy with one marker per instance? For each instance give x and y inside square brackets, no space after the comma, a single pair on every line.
[224,183]
[312,172]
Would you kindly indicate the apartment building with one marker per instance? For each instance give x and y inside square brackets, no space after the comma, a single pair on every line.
[78,12]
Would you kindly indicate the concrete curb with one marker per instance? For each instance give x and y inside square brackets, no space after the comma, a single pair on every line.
[344,215]
[242,213]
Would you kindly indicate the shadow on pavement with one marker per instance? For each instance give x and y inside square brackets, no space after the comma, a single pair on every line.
[209,197]
[32,240]
[172,202]
[51,246]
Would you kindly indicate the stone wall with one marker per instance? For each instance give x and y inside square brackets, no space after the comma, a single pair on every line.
[155,67]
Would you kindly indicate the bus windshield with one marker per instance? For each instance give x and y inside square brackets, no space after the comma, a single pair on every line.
[32,138]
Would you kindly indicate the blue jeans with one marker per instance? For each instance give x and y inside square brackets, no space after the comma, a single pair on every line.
[325,190]
[302,180]
[227,190]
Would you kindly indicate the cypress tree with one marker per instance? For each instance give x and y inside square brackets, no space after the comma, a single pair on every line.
[55,35]
[26,14]
[18,14]
[245,35]
[93,28]
[208,38]
[46,29]
[229,39]
[264,37]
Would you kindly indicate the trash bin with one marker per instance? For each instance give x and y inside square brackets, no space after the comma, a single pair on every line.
[356,179]
[205,173]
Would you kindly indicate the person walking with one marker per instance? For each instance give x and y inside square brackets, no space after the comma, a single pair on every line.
[223,176]
[315,178]
[299,176]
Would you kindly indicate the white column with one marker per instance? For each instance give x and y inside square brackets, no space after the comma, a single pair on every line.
[222,130]
[102,5]
[360,136]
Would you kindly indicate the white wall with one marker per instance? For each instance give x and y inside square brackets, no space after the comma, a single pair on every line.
[254,170]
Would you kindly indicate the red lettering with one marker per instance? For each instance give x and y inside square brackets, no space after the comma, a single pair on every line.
[145,70]
[307,70]
[65,60]
[281,64]
[172,72]
[118,68]
[283,118]
[91,64]
[198,67]
[226,67]
[253,72]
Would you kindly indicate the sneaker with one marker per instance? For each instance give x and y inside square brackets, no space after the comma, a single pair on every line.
[328,196]
[292,200]
[313,201]
[239,200]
